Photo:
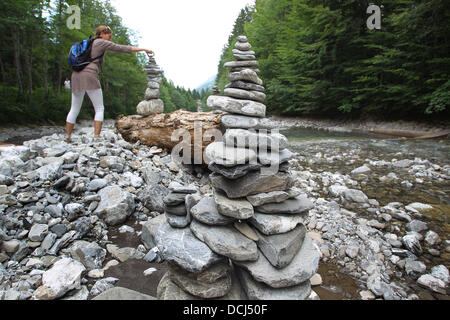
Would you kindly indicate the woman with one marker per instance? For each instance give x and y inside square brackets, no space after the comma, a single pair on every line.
[86,81]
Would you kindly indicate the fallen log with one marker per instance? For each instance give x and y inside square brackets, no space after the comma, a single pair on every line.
[161,129]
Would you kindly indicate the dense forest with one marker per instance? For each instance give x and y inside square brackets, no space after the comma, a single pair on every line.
[35,42]
[319,58]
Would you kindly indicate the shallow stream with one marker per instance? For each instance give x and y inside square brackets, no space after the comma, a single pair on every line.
[341,152]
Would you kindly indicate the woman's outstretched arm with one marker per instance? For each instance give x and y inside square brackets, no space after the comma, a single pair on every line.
[134,49]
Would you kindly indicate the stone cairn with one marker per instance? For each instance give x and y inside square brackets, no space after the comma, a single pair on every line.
[247,240]
[152,104]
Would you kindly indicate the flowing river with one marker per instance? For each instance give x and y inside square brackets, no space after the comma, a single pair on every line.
[425,180]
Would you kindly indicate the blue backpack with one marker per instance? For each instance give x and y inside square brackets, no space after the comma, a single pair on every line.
[80,54]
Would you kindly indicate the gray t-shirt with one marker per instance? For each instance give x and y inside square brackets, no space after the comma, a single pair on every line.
[87,79]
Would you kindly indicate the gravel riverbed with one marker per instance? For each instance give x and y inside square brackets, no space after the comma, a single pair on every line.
[380,218]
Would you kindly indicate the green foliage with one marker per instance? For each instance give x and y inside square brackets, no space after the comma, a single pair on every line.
[319,57]
[176,97]
[33,63]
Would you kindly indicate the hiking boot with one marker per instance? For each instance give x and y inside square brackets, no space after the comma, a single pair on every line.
[68,139]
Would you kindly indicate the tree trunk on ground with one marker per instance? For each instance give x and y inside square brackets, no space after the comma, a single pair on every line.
[157,130]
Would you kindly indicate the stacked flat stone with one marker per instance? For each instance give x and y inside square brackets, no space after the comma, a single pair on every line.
[265,205]
[251,227]
[195,271]
[152,103]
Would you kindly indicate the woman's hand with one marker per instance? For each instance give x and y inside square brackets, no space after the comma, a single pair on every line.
[134,49]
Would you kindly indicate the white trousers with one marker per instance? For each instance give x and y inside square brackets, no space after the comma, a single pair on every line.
[96,97]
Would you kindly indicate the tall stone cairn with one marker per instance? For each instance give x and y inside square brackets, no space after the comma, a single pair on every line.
[152,104]
[247,240]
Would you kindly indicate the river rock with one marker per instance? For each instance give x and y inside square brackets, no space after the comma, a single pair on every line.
[178,210]
[179,188]
[275,224]
[102,285]
[245,75]
[124,254]
[417,226]
[217,284]
[259,291]
[206,212]
[38,232]
[149,229]
[27,197]
[119,293]
[419,206]
[182,247]
[245,94]
[269,197]
[249,52]
[414,268]
[152,196]
[302,268]
[52,171]
[231,105]
[90,254]
[244,57]
[219,153]
[245,86]
[48,242]
[405,163]
[153,85]
[176,221]
[233,172]
[355,196]
[361,170]
[255,140]
[116,205]
[253,183]
[280,249]
[10,246]
[432,238]
[243,46]
[274,157]
[412,244]
[245,122]
[64,276]
[151,94]
[433,283]
[168,290]
[97,184]
[299,204]
[226,241]
[241,64]
[239,209]
[149,107]
[441,272]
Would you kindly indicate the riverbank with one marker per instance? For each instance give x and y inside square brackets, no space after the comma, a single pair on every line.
[392,128]
[375,239]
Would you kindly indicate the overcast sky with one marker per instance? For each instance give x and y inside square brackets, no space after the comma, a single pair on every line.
[187,36]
